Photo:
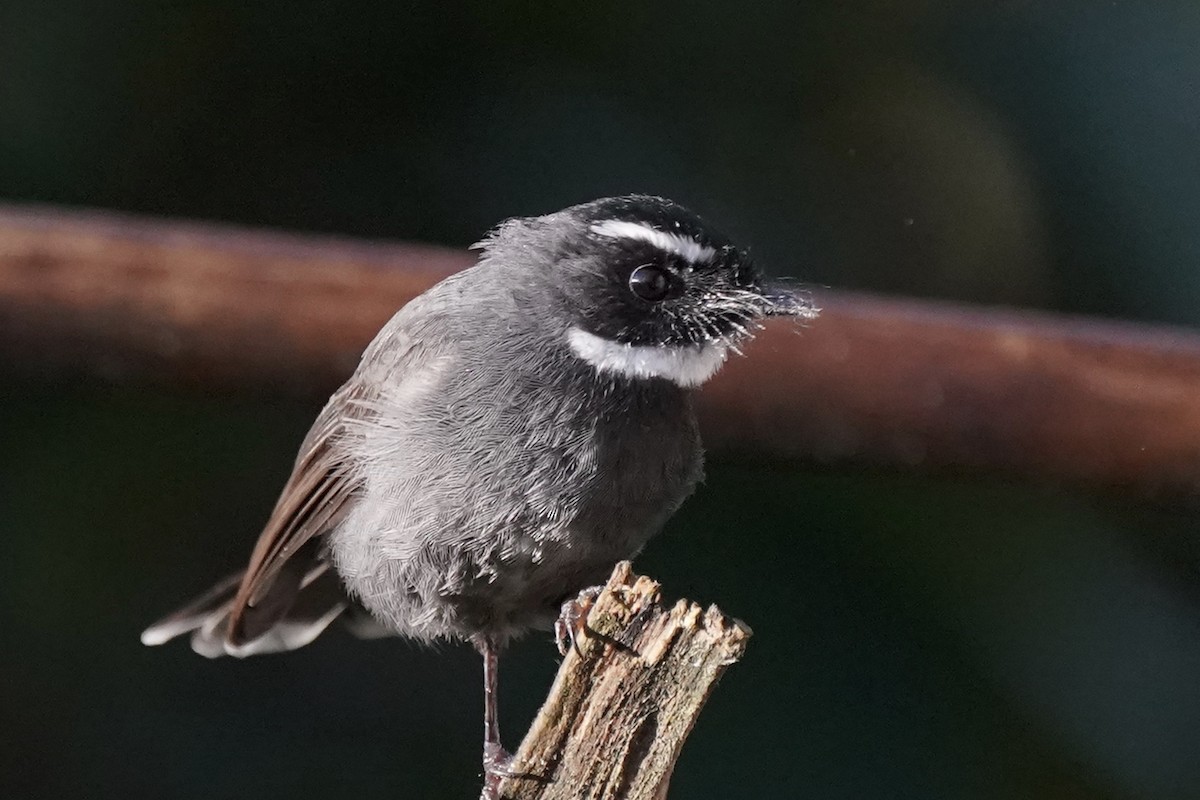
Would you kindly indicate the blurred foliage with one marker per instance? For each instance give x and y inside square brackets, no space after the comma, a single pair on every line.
[916,637]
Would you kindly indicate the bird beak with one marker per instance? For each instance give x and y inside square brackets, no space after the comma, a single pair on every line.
[785,301]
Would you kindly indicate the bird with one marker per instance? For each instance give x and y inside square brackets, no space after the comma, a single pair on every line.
[507,437]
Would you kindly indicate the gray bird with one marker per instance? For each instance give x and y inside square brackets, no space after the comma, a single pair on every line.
[507,437]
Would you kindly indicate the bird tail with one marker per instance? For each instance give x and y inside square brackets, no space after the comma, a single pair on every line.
[319,600]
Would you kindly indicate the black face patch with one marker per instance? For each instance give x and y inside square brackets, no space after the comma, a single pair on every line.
[707,299]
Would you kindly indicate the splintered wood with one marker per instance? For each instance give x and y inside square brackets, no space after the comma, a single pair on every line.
[625,700]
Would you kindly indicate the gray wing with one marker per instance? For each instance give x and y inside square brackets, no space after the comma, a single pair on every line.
[315,498]
[289,593]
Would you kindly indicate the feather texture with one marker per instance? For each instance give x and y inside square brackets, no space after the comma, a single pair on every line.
[313,500]
[507,436]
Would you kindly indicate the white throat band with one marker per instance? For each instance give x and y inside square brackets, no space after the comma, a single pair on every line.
[685,365]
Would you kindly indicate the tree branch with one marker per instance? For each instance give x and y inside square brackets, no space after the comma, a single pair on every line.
[623,703]
[899,383]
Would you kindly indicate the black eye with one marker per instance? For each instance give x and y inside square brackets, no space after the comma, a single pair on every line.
[650,283]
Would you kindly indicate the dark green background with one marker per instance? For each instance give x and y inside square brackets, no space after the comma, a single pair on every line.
[962,637]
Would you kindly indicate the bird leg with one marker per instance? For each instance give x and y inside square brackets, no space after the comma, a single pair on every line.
[572,619]
[495,758]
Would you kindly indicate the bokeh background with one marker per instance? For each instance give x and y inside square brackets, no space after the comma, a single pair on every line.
[960,637]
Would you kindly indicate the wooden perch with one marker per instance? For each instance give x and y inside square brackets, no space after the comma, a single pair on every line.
[625,700]
[898,383]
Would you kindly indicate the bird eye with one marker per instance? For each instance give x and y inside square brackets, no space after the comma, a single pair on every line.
[650,283]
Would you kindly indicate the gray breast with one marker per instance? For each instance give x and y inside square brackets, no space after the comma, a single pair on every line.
[499,478]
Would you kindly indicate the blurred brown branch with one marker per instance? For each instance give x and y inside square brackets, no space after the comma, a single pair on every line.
[898,383]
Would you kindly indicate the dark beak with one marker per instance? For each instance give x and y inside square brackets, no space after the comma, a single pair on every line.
[785,301]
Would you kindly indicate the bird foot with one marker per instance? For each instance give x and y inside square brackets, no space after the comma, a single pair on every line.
[572,620]
[496,760]
[496,763]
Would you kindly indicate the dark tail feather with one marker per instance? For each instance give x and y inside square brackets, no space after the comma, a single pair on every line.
[215,601]
[317,602]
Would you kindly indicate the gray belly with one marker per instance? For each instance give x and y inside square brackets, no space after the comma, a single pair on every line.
[474,529]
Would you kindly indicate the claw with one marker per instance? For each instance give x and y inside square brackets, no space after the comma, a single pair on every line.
[496,763]
[571,624]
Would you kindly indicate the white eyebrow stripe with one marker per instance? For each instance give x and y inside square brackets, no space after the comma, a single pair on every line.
[683,246]
[687,365]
